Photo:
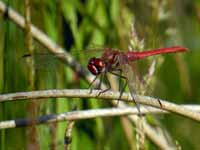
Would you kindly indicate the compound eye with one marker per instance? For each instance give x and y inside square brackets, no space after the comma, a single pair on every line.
[93,69]
[95,66]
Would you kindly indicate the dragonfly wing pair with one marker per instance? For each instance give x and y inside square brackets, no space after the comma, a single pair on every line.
[131,78]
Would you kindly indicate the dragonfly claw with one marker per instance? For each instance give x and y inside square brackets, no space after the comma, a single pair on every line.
[103,91]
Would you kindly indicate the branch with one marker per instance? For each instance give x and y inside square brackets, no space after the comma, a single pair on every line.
[68,134]
[74,115]
[84,114]
[110,95]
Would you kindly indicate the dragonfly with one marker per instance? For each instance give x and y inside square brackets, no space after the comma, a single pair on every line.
[118,63]
[112,61]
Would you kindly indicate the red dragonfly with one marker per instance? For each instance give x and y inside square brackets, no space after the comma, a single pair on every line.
[113,60]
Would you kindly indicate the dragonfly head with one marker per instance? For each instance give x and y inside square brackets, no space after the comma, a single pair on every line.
[96,66]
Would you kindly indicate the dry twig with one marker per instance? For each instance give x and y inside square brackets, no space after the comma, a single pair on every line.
[85,114]
[68,134]
[109,95]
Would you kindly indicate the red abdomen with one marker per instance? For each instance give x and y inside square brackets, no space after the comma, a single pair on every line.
[139,55]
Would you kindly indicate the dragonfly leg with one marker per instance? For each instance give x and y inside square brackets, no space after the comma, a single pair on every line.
[107,81]
[100,82]
[92,83]
[123,89]
[119,75]
[121,92]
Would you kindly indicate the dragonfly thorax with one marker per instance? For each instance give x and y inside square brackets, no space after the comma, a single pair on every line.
[96,66]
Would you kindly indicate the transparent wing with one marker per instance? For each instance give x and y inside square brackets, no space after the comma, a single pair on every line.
[47,61]
[131,78]
[136,84]
[42,61]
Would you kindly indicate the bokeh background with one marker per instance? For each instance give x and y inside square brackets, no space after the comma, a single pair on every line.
[79,24]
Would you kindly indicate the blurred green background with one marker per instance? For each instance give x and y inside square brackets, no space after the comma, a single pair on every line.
[78,24]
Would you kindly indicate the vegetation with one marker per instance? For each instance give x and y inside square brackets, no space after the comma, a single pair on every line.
[77,26]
